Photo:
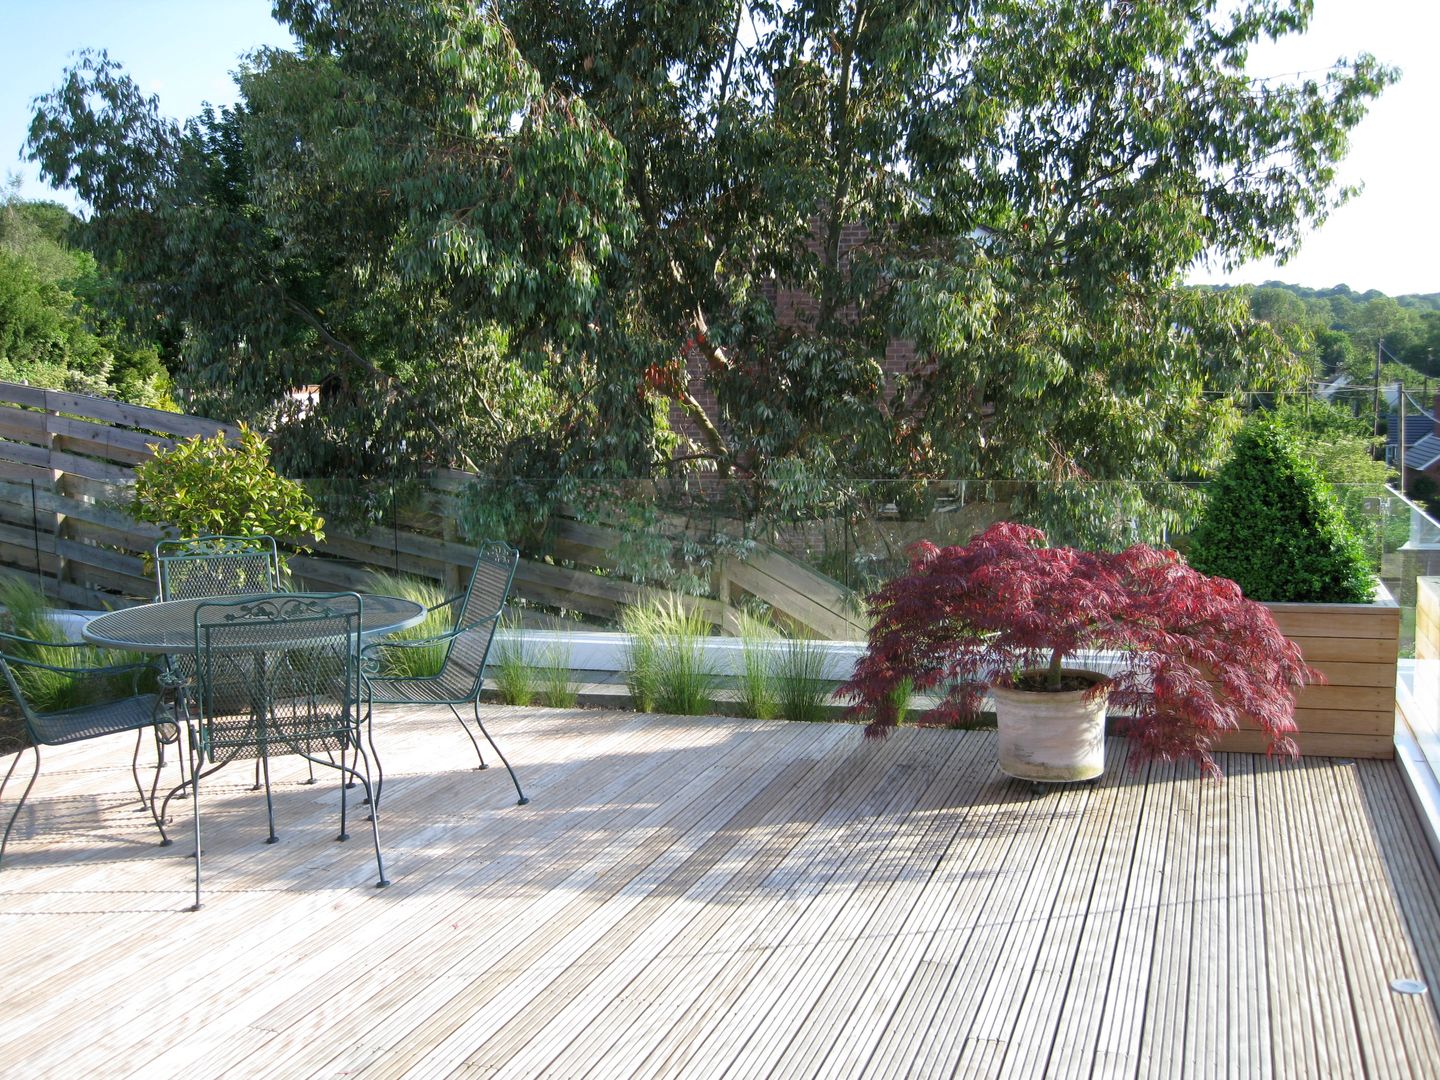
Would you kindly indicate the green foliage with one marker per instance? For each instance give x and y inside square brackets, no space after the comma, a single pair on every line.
[800,686]
[1338,331]
[1341,447]
[556,679]
[685,681]
[757,695]
[28,614]
[52,332]
[431,206]
[205,486]
[416,662]
[641,622]
[399,211]
[513,674]
[668,669]
[1272,526]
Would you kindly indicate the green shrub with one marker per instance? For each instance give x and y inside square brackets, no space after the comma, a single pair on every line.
[556,680]
[203,486]
[1272,525]
[801,689]
[510,668]
[1343,449]
[667,667]
[684,678]
[757,673]
[641,622]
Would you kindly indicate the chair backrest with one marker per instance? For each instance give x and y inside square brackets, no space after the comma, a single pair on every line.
[278,675]
[480,610]
[64,696]
[216,566]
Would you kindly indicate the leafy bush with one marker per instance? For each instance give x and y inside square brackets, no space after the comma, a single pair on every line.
[203,486]
[1197,654]
[1272,526]
[1342,448]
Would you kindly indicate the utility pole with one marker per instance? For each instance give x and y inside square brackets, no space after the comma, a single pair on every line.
[1375,404]
[1400,450]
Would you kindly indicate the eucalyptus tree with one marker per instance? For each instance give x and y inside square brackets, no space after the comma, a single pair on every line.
[514,226]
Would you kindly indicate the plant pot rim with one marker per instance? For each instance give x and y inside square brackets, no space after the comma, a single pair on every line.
[1096,678]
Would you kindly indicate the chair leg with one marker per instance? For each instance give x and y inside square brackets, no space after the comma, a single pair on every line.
[195,774]
[344,791]
[374,817]
[379,766]
[269,803]
[25,795]
[503,760]
[135,771]
[473,743]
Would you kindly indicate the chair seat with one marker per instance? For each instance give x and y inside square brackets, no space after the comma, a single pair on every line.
[452,686]
[92,721]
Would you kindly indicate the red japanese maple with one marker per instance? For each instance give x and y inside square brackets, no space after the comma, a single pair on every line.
[1197,655]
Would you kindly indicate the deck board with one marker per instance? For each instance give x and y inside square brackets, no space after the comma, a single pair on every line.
[704,897]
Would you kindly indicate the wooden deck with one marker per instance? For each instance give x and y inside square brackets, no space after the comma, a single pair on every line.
[706,897]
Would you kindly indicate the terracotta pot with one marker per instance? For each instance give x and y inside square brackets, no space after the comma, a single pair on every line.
[1052,737]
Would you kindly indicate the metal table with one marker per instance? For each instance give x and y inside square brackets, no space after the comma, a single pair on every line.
[169,627]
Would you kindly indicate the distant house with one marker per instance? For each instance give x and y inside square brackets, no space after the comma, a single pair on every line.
[1422,443]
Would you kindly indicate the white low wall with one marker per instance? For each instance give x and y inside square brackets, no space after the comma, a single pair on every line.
[606,652]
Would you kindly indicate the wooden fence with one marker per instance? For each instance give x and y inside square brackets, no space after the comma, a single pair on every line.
[67,466]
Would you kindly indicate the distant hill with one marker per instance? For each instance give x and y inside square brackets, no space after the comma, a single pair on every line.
[1342,331]
[1423,301]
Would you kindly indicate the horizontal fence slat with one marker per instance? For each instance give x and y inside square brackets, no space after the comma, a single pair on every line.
[20,394]
[23,425]
[91,468]
[114,561]
[39,456]
[111,443]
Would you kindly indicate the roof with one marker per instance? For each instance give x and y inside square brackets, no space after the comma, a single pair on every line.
[1417,426]
[1423,453]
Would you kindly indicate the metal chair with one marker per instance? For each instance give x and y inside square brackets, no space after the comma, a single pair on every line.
[65,700]
[203,566]
[463,647]
[216,566]
[298,653]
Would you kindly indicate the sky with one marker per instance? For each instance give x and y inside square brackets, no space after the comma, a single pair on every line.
[1387,238]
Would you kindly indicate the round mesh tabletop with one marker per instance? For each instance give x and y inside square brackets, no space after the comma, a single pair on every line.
[169,627]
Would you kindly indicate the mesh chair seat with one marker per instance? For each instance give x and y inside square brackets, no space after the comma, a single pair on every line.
[93,721]
[452,686]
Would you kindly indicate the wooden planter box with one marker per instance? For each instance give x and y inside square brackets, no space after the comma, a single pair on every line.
[1357,646]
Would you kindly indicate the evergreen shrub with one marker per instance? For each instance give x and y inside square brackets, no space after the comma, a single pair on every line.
[1272,525]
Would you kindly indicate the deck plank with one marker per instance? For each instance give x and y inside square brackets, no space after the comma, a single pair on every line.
[704,896]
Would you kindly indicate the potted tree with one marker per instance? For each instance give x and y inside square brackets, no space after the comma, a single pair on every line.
[1007,615]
